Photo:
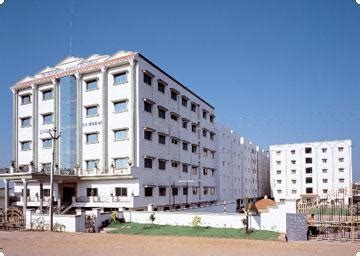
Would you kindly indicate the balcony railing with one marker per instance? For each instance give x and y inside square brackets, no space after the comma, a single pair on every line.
[101,199]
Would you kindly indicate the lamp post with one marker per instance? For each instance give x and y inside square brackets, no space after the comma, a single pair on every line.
[54,136]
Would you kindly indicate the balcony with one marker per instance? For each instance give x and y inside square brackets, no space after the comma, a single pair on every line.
[103,201]
[99,172]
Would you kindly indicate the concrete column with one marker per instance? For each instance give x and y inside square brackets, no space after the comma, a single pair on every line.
[41,197]
[55,83]
[79,111]
[35,125]
[24,196]
[104,119]
[6,197]
[15,128]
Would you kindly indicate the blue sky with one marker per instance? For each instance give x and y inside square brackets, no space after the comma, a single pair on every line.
[277,71]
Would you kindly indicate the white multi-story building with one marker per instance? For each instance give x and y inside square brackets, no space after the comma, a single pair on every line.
[131,135]
[311,171]
[243,168]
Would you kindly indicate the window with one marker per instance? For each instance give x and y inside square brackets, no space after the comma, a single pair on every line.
[212,135]
[279,191]
[293,191]
[278,172]
[47,94]
[185,146]
[293,181]
[205,190]
[161,87]
[91,164]
[47,143]
[162,164]
[204,132]
[184,167]
[325,180]
[25,99]
[293,171]
[147,107]
[341,149]
[174,141]
[308,180]
[121,134]
[25,145]
[92,138]
[162,139]
[184,101]
[174,191]
[185,191]
[293,161]
[324,160]
[174,164]
[174,117]
[324,150]
[324,170]
[162,191]
[278,162]
[194,170]
[309,190]
[212,153]
[341,160]
[193,128]
[91,192]
[205,171]
[148,163]
[148,135]
[308,160]
[194,190]
[293,152]
[184,123]
[91,111]
[193,148]
[212,117]
[308,170]
[47,118]
[204,114]
[25,122]
[120,106]
[121,163]
[174,95]
[341,169]
[193,107]
[325,191]
[341,180]
[120,191]
[278,181]
[120,78]
[91,85]
[46,192]
[147,79]
[148,191]
[161,113]
[308,150]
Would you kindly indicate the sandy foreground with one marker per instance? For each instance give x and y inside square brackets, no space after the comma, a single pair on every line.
[46,243]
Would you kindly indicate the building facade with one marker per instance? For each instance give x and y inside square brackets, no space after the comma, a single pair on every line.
[131,136]
[243,168]
[316,171]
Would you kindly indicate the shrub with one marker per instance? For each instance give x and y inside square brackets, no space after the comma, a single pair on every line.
[196,221]
[152,218]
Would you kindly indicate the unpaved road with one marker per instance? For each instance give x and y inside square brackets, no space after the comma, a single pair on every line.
[78,244]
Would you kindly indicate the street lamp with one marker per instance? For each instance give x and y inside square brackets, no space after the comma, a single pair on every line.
[54,136]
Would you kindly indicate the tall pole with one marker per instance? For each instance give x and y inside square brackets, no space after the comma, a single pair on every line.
[54,137]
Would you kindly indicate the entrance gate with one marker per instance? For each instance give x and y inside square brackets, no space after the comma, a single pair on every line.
[12,219]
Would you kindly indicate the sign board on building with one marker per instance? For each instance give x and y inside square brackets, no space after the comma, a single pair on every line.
[296,227]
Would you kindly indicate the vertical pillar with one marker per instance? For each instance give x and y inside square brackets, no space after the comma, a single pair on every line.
[35,125]
[24,196]
[133,102]
[41,197]
[15,128]
[55,83]
[6,195]
[104,119]
[79,120]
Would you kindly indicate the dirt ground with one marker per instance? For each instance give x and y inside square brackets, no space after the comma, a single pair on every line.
[78,244]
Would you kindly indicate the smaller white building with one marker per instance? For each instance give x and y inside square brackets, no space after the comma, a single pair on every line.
[314,171]
[243,167]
